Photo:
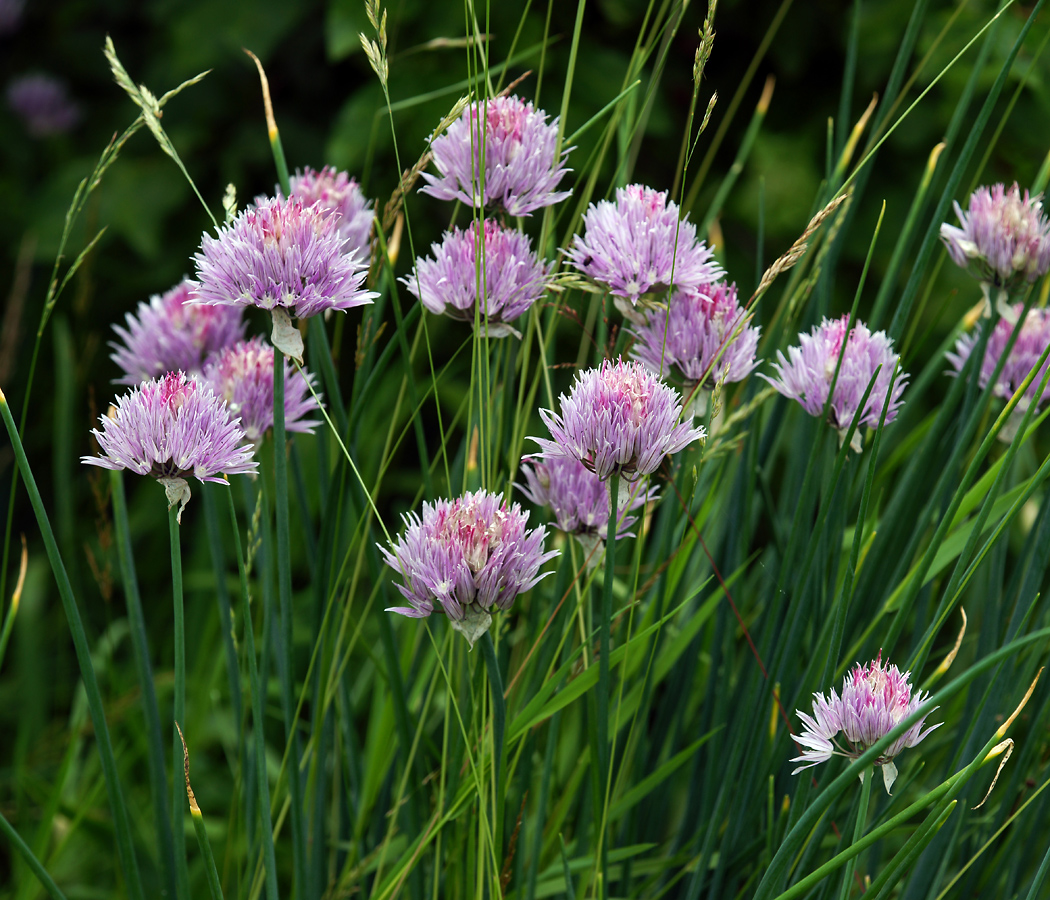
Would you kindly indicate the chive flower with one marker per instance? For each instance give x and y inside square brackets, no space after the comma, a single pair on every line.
[1004,240]
[340,195]
[43,104]
[465,557]
[703,338]
[617,419]
[641,245]
[806,375]
[171,333]
[510,164]
[1032,339]
[504,270]
[242,375]
[579,500]
[875,698]
[171,428]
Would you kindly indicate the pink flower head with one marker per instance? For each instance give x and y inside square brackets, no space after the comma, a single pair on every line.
[617,419]
[467,555]
[173,333]
[806,374]
[281,253]
[1004,239]
[509,276]
[339,194]
[1031,341]
[242,375]
[42,102]
[580,500]
[639,245]
[874,700]
[171,428]
[518,147]
[702,336]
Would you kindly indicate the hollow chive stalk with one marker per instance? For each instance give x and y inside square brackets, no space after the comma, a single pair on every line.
[182,875]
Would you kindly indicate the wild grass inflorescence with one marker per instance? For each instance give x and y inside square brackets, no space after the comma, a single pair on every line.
[685,560]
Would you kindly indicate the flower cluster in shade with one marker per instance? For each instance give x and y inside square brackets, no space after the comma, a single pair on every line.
[1004,239]
[281,253]
[639,245]
[171,428]
[173,333]
[875,699]
[466,556]
[506,272]
[702,338]
[42,102]
[511,163]
[617,419]
[579,499]
[10,15]
[1032,339]
[242,375]
[807,372]
[340,195]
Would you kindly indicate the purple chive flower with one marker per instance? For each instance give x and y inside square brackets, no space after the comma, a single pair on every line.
[509,275]
[339,194]
[43,104]
[464,557]
[1004,239]
[172,333]
[518,146]
[1029,346]
[242,375]
[639,245]
[171,428]
[702,339]
[874,700]
[618,419]
[807,373]
[580,500]
[284,256]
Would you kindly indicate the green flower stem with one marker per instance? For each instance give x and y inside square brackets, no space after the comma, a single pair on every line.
[604,687]
[262,802]
[137,628]
[121,825]
[866,778]
[284,598]
[182,874]
[38,869]
[499,725]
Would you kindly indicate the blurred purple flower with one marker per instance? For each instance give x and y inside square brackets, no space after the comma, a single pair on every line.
[580,500]
[281,254]
[172,333]
[10,15]
[340,194]
[702,339]
[171,428]
[617,419]
[1004,239]
[1029,346]
[639,245]
[242,375]
[518,146]
[467,555]
[43,103]
[806,375]
[510,276]
[874,700]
